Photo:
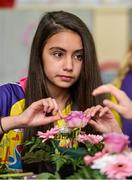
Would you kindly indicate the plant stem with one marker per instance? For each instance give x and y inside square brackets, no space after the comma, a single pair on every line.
[56,150]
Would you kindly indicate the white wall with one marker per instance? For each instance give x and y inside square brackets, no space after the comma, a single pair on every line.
[110,26]
[14,46]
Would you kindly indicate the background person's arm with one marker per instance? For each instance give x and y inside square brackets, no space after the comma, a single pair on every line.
[124,106]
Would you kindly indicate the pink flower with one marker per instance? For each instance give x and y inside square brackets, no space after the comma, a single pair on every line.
[119,169]
[115,143]
[76,119]
[90,159]
[93,139]
[49,134]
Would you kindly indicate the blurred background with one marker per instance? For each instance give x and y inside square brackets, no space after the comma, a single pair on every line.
[110,22]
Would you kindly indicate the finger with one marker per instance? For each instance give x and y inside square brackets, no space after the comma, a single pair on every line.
[96,110]
[104,111]
[109,88]
[61,115]
[103,89]
[111,105]
[50,119]
[100,90]
[37,105]
[93,124]
[56,107]
[90,111]
[87,113]
[45,106]
[51,105]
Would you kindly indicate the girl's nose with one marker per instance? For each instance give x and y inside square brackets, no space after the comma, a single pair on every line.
[68,64]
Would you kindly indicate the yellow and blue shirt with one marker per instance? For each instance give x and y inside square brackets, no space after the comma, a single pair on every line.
[11,104]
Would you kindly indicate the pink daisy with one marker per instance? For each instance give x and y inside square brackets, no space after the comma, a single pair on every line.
[49,134]
[93,139]
[119,169]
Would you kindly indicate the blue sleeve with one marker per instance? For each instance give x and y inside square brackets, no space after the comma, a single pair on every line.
[9,94]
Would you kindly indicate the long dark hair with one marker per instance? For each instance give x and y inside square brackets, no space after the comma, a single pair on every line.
[50,24]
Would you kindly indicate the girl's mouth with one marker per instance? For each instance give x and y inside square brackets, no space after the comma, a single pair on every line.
[65,78]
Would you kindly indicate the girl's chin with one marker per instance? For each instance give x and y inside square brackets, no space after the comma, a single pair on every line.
[61,84]
[64,84]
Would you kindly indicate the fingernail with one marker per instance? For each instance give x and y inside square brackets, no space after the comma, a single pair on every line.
[100,114]
[92,114]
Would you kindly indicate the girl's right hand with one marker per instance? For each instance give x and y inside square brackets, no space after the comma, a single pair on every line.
[36,113]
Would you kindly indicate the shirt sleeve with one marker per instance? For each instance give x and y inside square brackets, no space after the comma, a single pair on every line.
[10,93]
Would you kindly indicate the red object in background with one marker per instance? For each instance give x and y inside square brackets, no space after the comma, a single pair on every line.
[7,3]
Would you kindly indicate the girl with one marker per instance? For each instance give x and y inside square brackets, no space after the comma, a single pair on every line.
[63,72]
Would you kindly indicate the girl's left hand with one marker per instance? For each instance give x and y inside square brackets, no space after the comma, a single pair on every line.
[102,119]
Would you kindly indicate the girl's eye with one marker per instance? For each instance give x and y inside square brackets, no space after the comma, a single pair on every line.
[79,57]
[57,54]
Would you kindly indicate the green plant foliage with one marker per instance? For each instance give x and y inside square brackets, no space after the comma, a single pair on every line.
[93,148]
[48,176]
[36,151]
[87,173]
[61,158]
[3,169]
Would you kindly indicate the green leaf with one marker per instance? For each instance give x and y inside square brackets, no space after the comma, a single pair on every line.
[15,175]
[59,160]
[48,176]
[93,148]
[87,173]
[3,169]
[36,156]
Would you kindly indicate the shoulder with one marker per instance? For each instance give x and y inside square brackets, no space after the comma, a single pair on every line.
[10,93]
[11,88]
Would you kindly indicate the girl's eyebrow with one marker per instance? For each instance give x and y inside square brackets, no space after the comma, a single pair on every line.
[79,51]
[62,49]
[57,48]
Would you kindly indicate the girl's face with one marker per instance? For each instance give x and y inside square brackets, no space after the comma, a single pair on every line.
[62,59]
